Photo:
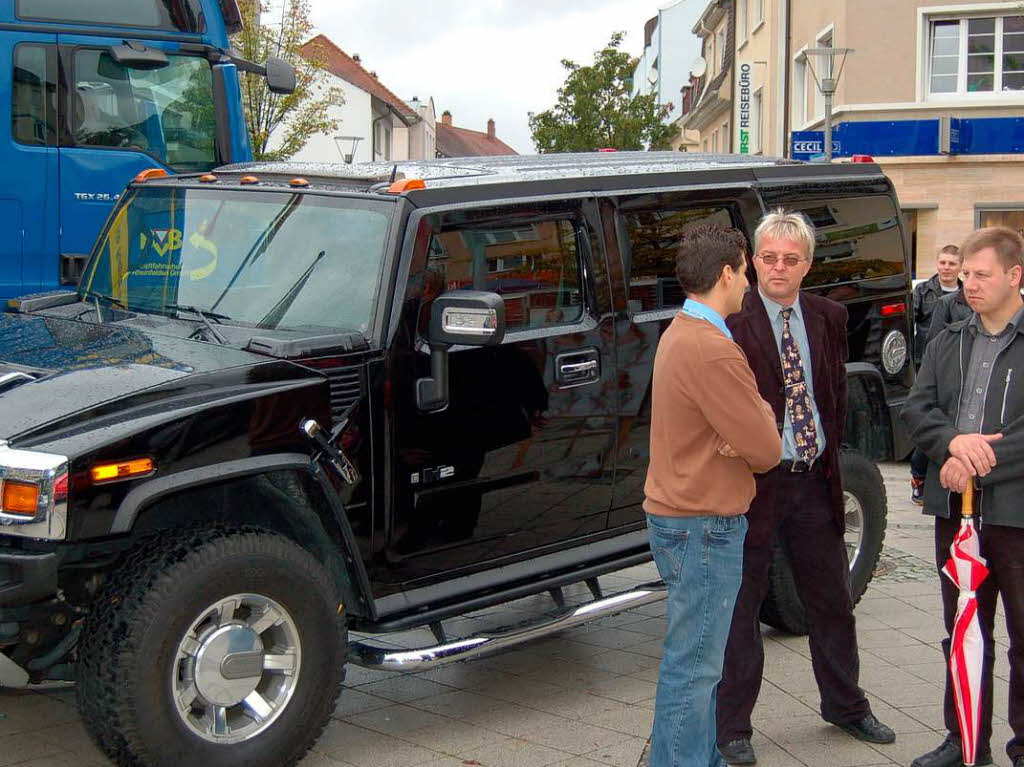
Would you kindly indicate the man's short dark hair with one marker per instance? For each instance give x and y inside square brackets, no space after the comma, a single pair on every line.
[952,250]
[703,251]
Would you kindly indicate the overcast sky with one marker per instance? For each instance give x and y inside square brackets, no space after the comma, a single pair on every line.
[482,58]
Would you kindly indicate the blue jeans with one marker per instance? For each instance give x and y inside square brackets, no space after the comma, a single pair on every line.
[701,561]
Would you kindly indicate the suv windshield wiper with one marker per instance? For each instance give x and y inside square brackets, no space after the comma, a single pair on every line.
[96,300]
[204,316]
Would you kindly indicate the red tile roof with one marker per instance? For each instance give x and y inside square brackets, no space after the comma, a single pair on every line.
[340,64]
[462,142]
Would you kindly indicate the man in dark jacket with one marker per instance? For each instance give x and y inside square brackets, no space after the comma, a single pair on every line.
[796,345]
[952,307]
[966,412]
[929,295]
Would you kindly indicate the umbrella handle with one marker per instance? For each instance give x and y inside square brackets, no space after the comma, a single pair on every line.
[967,499]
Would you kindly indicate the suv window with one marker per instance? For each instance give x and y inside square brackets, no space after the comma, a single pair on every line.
[33,94]
[167,113]
[533,265]
[858,238]
[650,260]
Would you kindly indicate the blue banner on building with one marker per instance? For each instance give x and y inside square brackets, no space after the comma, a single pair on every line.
[896,138]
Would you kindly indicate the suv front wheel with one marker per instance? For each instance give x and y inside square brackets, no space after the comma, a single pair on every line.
[219,648]
[865,507]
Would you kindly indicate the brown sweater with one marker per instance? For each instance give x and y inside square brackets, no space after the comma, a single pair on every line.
[704,395]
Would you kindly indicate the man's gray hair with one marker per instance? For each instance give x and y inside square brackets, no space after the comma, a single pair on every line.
[788,226]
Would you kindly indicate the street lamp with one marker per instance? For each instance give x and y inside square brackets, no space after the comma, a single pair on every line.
[826,83]
[347,156]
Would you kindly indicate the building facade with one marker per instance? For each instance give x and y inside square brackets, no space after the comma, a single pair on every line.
[708,100]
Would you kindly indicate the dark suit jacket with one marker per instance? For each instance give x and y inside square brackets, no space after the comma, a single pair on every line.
[826,334]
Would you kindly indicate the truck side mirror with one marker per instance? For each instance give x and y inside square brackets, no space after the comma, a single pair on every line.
[280,75]
[463,318]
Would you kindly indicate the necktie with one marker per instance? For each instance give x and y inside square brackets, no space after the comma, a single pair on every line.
[798,400]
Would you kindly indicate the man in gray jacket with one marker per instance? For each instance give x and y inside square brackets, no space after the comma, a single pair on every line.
[966,412]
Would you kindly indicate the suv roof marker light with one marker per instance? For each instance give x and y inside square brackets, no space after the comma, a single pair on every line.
[150,173]
[862,158]
[20,498]
[249,180]
[298,182]
[607,149]
[207,178]
[407,185]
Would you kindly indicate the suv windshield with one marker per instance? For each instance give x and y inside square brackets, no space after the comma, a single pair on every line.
[269,259]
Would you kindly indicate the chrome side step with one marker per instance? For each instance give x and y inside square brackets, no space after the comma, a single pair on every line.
[395,659]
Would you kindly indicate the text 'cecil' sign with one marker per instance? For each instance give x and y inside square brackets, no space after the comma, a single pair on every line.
[744,70]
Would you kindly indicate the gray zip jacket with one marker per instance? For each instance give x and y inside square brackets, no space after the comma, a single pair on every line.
[931,413]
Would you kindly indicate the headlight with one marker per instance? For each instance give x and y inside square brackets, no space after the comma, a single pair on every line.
[894,352]
[33,493]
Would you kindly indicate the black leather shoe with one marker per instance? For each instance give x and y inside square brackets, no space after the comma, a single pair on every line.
[739,752]
[950,754]
[868,729]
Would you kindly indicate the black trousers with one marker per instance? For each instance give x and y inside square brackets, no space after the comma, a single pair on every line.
[1003,548]
[800,517]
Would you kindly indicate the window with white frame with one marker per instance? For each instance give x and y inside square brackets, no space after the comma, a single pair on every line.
[742,20]
[976,55]
[798,99]
[720,50]
[714,141]
[823,68]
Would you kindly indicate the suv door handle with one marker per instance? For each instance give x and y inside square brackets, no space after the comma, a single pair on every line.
[578,367]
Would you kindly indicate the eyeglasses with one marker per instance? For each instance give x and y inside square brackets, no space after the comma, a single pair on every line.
[770,259]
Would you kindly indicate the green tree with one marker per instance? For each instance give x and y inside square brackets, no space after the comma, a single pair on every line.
[301,114]
[595,109]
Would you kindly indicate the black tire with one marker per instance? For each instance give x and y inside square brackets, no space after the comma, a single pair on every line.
[862,481]
[127,656]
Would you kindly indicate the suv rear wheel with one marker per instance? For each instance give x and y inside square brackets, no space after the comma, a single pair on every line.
[216,648]
[865,507]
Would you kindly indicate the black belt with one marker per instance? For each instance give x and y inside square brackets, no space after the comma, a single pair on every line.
[798,467]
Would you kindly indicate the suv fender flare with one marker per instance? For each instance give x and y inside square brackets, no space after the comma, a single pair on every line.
[869,428]
[143,495]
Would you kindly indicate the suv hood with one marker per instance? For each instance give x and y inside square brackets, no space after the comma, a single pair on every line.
[53,368]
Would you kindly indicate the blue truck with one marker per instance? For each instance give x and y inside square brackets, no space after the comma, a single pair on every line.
[100,91]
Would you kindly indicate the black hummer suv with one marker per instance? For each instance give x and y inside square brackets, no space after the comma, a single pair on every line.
[288,402]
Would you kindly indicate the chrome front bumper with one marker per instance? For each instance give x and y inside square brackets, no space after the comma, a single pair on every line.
[395,659]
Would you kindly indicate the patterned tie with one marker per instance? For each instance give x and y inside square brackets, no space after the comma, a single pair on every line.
[798,401]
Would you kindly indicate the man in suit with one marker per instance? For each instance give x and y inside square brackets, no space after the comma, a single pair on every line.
[796,345]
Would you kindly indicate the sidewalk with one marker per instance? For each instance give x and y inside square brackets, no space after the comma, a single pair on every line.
[585,697]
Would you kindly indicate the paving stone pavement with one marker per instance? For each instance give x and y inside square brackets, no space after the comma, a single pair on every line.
[585,697]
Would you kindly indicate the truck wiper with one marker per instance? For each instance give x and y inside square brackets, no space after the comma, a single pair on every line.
[205,317]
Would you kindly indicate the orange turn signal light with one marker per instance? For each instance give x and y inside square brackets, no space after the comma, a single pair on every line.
[20,498]
[249,180]
[207,178]
[105,472]
[407,185]
[150,173]
[298,182]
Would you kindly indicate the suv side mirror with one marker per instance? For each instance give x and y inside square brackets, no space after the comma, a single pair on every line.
[464,318]
[280,75]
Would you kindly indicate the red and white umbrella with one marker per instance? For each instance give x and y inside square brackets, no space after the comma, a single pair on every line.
[966,568]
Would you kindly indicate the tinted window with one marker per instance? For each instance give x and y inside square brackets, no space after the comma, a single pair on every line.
[858,238]
[181,15]
[33,95]
[650,259]
[167,113]
[534,266]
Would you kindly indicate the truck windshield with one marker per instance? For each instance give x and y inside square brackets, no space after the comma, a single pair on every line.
[269,259]
[167,112]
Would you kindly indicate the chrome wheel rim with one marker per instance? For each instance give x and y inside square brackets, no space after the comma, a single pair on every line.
[236,668]
[854,536]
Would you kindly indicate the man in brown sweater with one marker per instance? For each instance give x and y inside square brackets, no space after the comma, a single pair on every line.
[710,431]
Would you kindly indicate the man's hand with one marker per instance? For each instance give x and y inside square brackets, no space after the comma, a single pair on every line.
[727,450]
[975,452]
[955,475]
